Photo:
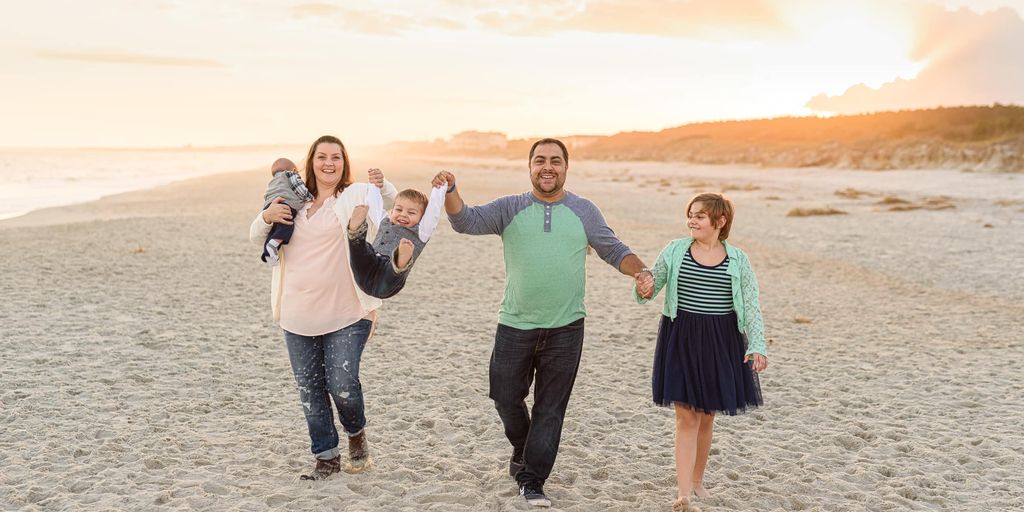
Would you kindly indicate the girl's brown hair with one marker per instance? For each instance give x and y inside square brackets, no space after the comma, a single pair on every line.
[346,177]
[715,206]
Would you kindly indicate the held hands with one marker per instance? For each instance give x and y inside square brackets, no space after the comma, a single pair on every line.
[441,178]
[376,177]
[644,284]
[759,362]
[277,212]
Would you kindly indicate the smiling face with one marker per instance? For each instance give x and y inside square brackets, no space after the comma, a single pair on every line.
[702,226]
[547,172]
[328,165]
[709,217]
[406,212]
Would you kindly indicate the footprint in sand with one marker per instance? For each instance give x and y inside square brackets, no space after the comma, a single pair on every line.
[213,488]
[277,500]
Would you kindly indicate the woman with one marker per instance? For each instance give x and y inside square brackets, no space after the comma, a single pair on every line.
[325,317]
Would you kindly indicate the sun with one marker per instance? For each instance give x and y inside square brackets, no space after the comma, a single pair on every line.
[856,42]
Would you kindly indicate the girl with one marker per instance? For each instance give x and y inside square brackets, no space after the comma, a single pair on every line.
[711,339]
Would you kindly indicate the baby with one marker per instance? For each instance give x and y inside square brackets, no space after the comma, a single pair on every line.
[287,185]
[380,269]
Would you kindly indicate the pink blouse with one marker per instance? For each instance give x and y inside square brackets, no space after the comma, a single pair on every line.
[318,294]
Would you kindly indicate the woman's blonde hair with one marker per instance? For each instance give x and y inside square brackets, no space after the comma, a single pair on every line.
[715,206]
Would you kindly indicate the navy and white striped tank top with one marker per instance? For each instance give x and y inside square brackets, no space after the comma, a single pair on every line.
[705,290]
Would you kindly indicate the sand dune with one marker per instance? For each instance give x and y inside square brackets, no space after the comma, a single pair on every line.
[141,369]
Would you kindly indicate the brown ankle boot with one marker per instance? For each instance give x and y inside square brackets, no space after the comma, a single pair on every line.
[358,453]
[324,469]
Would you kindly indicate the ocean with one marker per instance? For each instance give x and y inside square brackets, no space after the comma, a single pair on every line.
[31,179]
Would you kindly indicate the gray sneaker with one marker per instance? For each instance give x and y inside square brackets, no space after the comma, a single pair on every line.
[534,495]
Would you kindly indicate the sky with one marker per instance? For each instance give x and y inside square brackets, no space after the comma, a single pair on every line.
[167,73]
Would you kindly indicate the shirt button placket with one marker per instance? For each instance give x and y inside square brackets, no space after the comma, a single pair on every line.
[547,218]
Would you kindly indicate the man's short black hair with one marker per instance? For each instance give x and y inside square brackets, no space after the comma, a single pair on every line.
[565,152]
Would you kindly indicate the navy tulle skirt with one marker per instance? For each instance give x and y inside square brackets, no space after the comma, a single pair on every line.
[698,363]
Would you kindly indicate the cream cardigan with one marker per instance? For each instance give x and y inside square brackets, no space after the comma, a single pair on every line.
[354,194]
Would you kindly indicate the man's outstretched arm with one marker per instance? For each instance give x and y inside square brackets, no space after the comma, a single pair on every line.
[485,219]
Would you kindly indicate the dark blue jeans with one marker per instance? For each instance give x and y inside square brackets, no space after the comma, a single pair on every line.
[326,368]
[551,358]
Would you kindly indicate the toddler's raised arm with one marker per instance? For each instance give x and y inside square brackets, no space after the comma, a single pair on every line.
[432,214]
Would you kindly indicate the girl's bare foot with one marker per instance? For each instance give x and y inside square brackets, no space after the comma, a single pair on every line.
[404,251]
[684,505]
[358,217]
[700,491]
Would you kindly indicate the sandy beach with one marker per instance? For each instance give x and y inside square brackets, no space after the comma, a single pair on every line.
[141,369]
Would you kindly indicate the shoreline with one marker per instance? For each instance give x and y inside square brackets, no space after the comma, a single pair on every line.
[954,182]
[36,179]
[121,205]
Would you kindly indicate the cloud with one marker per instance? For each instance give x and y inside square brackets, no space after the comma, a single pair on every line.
[698,19]
[314,9]
[372,22]
[129,58]
[722,20]
[972,59]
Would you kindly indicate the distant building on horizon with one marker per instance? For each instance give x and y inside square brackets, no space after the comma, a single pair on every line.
[479,141]
[574,142]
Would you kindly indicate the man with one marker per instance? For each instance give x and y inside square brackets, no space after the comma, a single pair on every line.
[545,234]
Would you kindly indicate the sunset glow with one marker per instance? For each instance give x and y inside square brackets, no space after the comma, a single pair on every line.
[867,43]
[185,72]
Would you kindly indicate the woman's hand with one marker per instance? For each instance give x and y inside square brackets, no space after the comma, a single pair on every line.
[376,177]
[441,178]
[277,212]
[759,362]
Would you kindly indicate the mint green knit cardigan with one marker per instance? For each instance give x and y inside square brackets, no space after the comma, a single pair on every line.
[744,289]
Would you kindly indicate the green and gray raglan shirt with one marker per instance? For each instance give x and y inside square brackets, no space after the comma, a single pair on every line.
[545,247]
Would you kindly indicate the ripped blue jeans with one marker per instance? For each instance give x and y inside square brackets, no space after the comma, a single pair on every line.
[326,369]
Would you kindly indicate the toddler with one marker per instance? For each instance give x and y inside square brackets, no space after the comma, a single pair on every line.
[381,269]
